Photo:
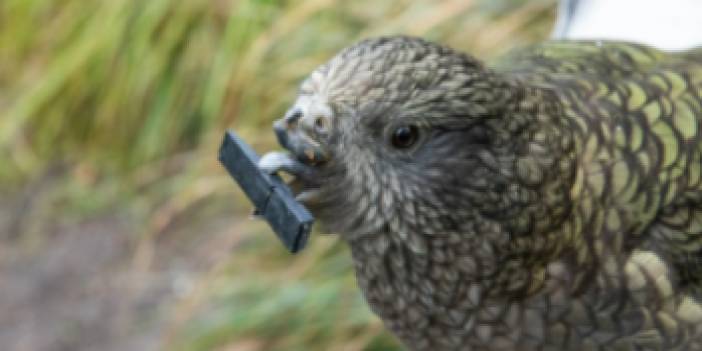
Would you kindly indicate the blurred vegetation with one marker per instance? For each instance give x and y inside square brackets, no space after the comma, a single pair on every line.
[123,103]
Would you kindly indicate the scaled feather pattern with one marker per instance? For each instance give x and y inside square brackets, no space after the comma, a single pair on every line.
[551,200]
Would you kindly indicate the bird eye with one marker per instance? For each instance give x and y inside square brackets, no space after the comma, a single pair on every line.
[404,136]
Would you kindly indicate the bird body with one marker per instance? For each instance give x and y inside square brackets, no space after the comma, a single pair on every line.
[549,201]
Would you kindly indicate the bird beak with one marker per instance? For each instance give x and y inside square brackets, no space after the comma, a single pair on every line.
[302,147]
[302,161]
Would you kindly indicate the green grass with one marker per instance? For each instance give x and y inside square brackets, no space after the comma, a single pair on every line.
[129,99]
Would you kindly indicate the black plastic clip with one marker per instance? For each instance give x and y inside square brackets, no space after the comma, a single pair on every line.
[273,200]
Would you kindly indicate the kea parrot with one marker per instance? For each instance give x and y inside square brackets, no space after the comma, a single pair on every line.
[548,200]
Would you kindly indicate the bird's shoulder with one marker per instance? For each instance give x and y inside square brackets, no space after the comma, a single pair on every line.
[595,58]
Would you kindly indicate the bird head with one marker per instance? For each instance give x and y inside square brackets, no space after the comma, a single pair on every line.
[402,139]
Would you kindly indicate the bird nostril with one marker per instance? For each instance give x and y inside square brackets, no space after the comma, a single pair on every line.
[321,124]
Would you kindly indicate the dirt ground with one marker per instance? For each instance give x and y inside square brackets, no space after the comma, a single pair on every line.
[86,286]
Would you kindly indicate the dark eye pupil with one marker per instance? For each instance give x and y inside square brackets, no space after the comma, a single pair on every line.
[404,137]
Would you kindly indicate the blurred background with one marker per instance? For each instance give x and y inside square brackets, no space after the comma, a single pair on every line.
[119,230]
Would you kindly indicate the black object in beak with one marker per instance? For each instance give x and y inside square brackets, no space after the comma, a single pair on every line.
[274,201]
